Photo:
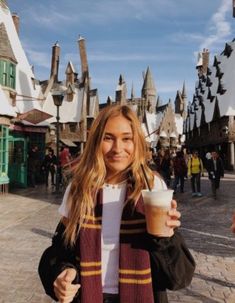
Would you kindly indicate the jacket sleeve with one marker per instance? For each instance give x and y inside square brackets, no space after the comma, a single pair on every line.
[54,260]
[172,264]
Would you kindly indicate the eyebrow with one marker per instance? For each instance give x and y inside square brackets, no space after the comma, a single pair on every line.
[111,134]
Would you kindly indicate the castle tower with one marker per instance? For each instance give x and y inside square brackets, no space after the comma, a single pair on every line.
[121,91]
[148,92]
[180,102]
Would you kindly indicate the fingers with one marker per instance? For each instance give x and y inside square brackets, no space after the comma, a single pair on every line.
[173,204]
[174,215]
[63,287]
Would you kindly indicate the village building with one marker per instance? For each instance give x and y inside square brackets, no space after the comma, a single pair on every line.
[210,116]
[27,110]
[80,105]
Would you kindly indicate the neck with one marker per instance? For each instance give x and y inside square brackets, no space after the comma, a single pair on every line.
[115,179]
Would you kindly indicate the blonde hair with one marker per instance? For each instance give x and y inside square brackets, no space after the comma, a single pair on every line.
[90,172]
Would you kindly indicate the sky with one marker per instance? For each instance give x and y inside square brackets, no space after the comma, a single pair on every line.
[125,37]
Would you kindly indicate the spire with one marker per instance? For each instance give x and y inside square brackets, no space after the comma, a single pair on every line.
[132,91]
[149,91]
[121,91]
[183,94]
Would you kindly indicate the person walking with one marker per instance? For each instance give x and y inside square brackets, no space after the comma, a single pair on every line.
[195,170]
[33,165]
[49,166]
[215,170]
[101,250]
[180,171]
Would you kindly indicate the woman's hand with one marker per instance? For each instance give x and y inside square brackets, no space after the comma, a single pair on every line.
[174,215]
[64,290]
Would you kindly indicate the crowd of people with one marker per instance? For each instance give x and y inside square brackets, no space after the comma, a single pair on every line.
[177,166]
[43,170]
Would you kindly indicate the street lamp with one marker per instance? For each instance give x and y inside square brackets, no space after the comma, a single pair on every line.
[58,96]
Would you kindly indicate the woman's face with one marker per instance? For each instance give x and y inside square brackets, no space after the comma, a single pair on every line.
[117,147]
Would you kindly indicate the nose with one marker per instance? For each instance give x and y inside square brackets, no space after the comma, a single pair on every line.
[117,145]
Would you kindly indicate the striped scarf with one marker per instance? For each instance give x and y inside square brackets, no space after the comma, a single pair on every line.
[135,283]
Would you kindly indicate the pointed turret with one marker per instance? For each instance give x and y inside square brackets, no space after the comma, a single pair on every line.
[71,75]
[149,91]
[180,102]
[132,92]
[121,91]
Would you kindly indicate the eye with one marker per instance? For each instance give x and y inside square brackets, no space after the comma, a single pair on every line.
[127,139]
[107,138]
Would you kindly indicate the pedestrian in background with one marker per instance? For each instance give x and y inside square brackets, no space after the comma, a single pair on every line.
[101,251]
[195,170]
[49,166]
[33,165]
[164,165]
[215,170]
[180,171]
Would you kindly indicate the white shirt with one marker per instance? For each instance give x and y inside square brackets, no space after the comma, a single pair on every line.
[113,200]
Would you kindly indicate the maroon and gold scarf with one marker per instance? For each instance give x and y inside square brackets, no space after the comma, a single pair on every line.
[135,283]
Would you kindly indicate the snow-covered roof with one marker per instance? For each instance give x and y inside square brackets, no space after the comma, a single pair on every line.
[28,92]
[5,109]
[222,73]
[69,111]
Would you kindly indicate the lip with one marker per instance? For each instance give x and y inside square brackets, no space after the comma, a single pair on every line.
[116,158]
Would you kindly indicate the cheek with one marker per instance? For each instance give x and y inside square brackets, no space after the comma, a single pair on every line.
[106,147]
[130,149]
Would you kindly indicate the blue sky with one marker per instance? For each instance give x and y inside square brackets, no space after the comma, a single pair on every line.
[125,37]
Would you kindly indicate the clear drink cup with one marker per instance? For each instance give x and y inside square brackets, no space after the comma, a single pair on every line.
[157,203]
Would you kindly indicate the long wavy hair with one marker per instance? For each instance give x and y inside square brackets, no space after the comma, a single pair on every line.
[89,174]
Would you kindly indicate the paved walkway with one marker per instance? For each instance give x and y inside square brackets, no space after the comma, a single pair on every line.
[28,219]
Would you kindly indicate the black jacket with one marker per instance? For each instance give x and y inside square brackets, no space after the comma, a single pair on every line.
[219,172]
[172,264]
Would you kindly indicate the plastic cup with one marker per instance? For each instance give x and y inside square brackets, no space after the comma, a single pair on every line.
[157,203]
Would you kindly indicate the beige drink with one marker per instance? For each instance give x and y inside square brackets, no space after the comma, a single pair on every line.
[157,204]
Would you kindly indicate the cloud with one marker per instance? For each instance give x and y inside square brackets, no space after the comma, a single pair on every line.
[219,27]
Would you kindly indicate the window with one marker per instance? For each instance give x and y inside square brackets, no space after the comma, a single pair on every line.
[4,135]
[7,74]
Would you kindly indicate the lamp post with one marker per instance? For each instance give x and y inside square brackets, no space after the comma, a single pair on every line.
[58,96]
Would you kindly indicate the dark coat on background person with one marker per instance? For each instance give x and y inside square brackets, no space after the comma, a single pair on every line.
[179,165]
[215,173]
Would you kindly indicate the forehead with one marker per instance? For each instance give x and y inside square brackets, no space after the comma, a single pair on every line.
[118,124]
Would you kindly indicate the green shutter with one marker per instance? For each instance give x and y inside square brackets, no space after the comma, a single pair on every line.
[10,74]
[4,137]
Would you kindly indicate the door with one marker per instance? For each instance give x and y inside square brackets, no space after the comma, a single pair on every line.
[18,162]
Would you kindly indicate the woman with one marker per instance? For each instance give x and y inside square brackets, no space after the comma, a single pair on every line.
[101,251]
[195,170]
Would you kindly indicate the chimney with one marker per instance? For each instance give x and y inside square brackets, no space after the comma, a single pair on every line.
[205,60]
[55,61]
[16,20]
[83,56]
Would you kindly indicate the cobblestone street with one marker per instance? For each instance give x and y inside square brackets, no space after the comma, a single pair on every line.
[28,218]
